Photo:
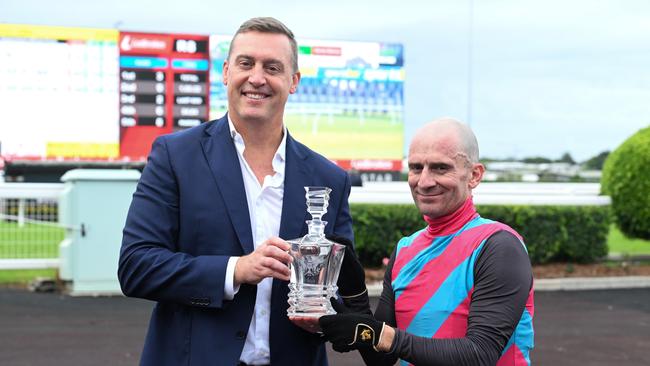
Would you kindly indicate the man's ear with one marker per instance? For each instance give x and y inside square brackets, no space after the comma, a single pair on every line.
[295,79]
[477,172]
[224,73]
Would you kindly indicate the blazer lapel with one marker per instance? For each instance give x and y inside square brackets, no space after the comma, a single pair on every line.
[221,156]
[297,176]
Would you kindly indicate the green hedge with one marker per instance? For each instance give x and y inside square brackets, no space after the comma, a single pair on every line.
[551,233]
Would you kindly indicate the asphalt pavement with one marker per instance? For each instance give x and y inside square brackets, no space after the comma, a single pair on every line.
[590,327]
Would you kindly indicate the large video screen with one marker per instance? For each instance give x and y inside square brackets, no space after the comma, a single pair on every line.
[349,105]
[58,92]
[163,87]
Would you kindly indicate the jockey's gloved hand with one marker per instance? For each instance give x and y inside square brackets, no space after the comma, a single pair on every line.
[348,330]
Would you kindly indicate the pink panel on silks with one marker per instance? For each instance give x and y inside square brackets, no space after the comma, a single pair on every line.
[456,324]
[512,357]
[530,303]
[421,288]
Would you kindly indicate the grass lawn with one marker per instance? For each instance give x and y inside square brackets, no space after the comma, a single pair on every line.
[620,244]
[29,241]
[23,276]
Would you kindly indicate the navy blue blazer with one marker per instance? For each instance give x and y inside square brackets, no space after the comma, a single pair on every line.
[188,216]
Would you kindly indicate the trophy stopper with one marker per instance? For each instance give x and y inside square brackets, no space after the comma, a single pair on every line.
[317,202]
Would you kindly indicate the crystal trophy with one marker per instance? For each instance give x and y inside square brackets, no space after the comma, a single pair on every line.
[316,262]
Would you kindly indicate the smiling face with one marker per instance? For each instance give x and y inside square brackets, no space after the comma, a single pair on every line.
[259,77]
[440,176]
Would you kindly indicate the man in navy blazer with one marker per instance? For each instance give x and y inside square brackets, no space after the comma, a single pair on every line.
[203,231]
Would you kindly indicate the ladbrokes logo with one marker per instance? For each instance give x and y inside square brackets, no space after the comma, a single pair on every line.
[364,334]
[145,43]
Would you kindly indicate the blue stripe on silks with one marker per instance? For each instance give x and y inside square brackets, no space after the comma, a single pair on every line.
[407,241]
[452,292]
[522,336]
[411,270]
[403,243]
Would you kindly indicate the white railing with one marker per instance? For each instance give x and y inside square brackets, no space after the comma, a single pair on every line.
[579,194]
[29,225]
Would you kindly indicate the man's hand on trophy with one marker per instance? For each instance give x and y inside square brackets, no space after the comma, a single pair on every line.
[309,324]
[348,330]
[352,278]
[269,259]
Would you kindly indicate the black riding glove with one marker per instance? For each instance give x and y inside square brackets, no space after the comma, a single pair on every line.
[352,278]
[348,330]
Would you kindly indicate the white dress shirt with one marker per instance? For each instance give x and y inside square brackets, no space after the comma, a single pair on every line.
[265,209]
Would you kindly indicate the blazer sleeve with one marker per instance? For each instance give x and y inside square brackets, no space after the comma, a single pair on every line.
[151,266]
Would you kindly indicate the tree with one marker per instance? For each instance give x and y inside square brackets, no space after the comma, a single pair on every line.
[536,160]
[566,158]
[626,179]
[596,162]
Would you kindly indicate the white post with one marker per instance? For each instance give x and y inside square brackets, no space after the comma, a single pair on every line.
[21,212]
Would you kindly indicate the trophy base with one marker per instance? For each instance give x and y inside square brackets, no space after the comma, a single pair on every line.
[310,301]
[307,315]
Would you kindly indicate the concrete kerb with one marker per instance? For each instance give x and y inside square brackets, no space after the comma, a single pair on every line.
[592,283]
[569,284]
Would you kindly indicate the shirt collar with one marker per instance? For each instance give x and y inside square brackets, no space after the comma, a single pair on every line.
[280,154]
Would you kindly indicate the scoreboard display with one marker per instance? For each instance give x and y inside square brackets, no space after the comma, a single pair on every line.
[104,94]
[163,87]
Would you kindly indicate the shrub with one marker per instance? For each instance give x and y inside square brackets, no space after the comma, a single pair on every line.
[541,227]
[588,227]
[378,227]
[626,179]
[551,233]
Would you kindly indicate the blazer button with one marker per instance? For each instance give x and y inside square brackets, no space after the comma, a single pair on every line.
[240,334]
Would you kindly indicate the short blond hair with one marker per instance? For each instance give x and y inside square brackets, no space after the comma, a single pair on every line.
[269,25]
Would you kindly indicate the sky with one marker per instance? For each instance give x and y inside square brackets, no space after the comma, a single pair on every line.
[531,77]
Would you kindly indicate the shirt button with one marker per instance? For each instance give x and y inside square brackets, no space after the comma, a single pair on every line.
[263,312]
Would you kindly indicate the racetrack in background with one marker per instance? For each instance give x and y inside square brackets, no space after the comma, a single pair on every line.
[349,135]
